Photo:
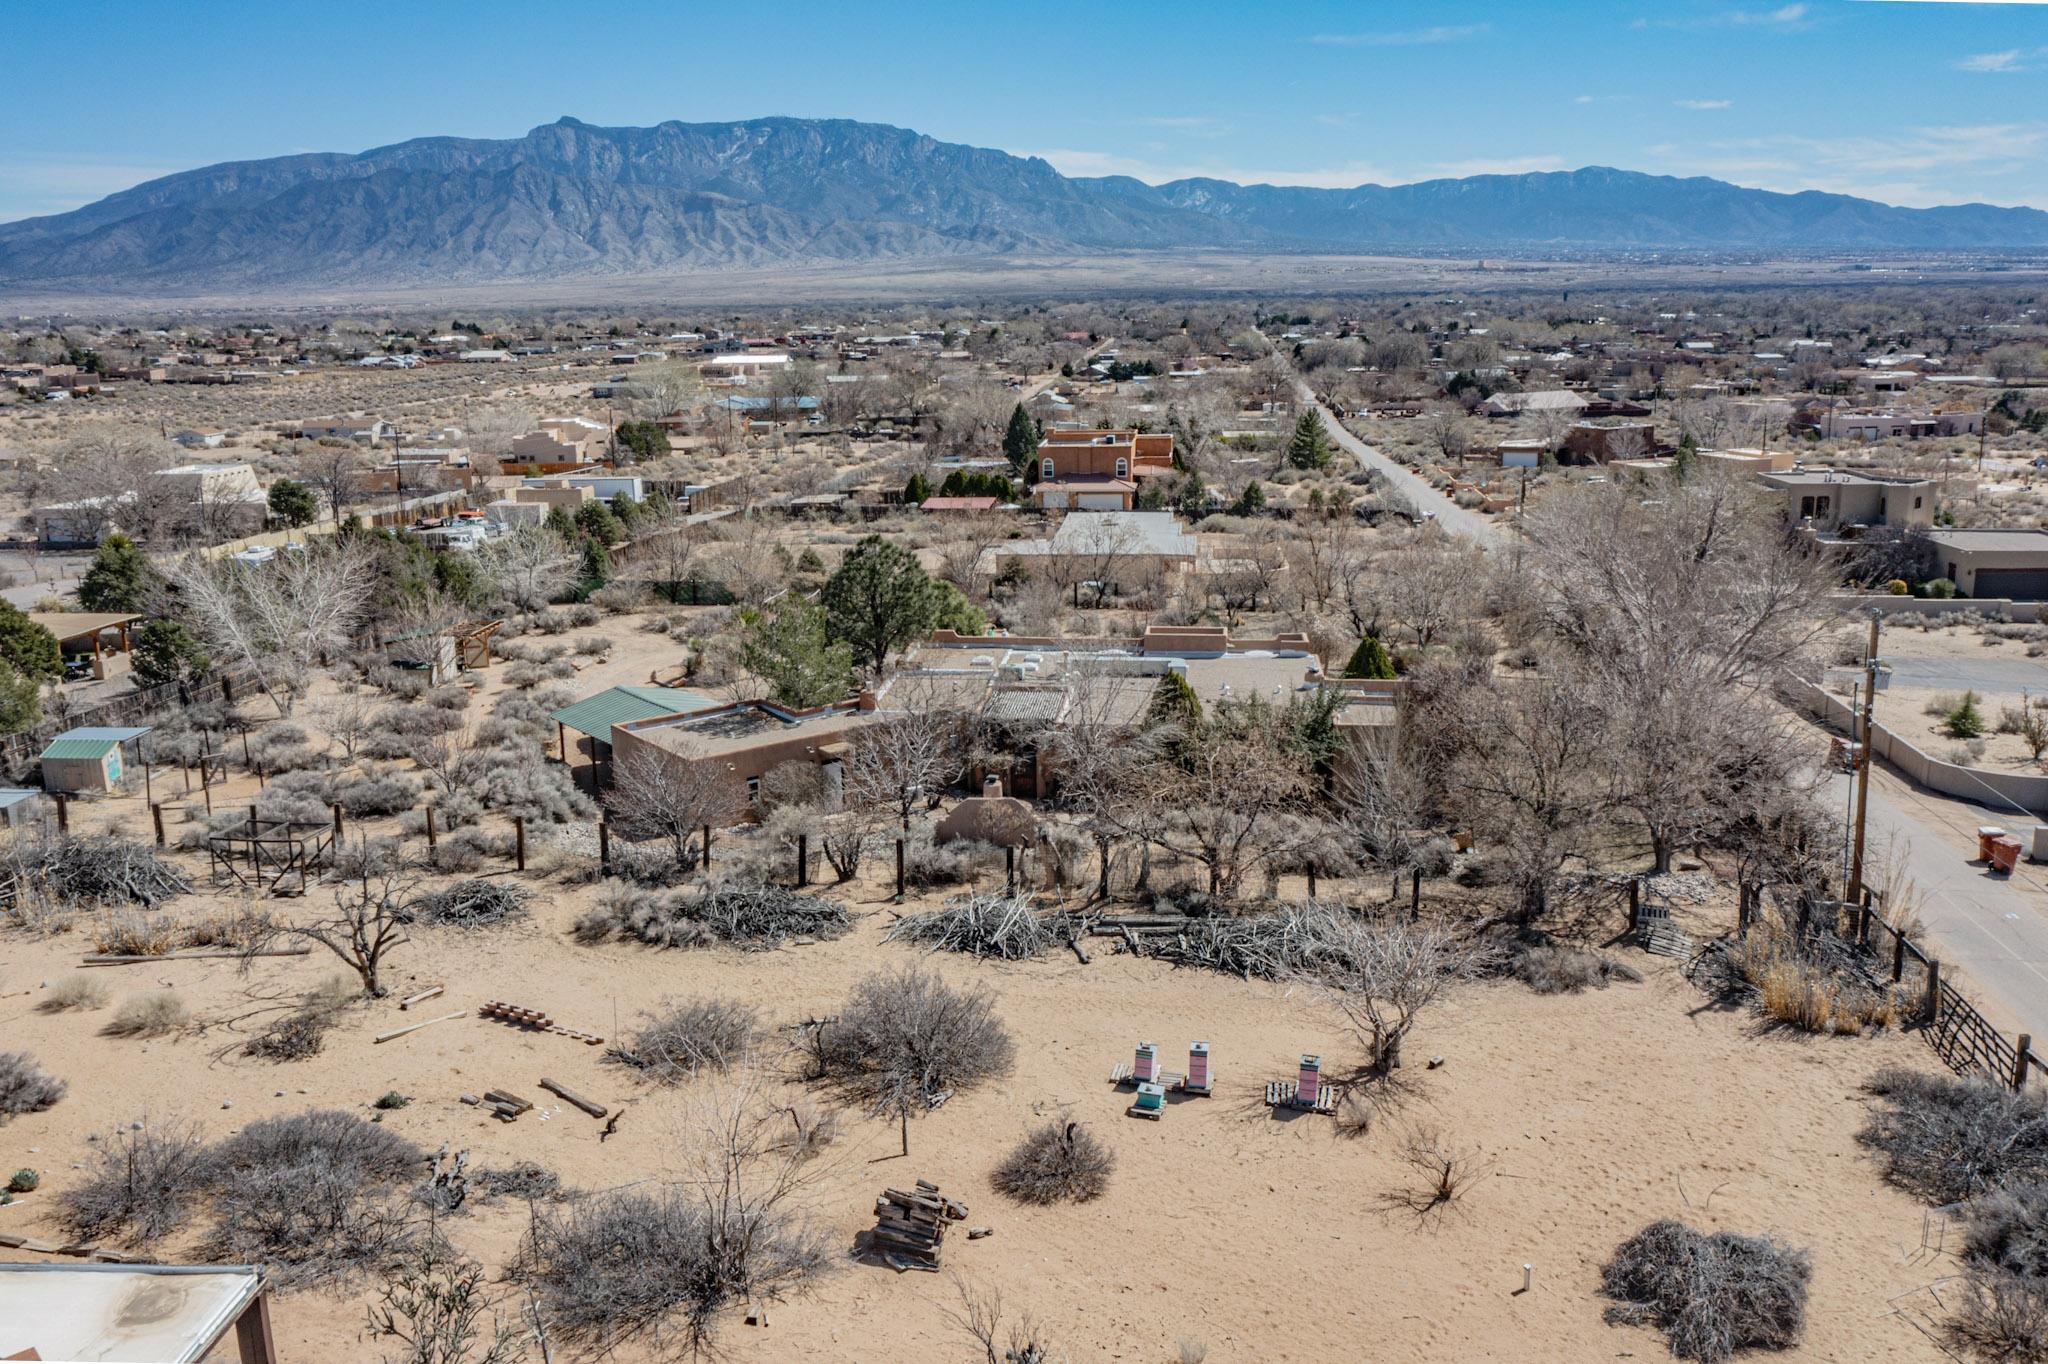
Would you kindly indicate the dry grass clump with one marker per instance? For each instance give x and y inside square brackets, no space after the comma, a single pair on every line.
[1551,967]
[310,1194]
[907,1039]
[26,1087]
[125,933]
[142,1185]
[2002,1316]
[79,990]
[1948,1140]
[150,1015]
[1058,1162]
[682,1039]
[1711,1295]
[2008,1229]
[632,1264]
[1800,990]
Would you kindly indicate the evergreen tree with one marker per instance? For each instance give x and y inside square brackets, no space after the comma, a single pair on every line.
[597,565]
[918,490]
[1251,501]
[561,523]
[1020,439]
[27,647]
[166,651]
[596,520]
[788,646]
[1310,447]
[1174,703]
[639,442]
[21,702]
[1965,721]
[879,600]
[1370,660]
[293,503]
[954,612]
[121,577]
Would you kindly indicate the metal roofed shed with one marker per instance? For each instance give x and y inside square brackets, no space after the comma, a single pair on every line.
[88,759]
[134,1314]
[19,807]
[594,716]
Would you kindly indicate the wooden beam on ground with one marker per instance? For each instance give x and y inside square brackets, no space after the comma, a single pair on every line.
[571,1097]
[415,1027]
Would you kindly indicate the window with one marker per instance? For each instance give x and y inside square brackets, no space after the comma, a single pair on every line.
[1123,468]
[1916,504]
[1045,468]
[753,790]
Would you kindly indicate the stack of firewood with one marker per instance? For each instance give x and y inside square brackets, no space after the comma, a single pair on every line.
[909,1226]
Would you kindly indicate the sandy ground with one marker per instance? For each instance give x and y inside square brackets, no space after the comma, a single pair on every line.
[1260,1237]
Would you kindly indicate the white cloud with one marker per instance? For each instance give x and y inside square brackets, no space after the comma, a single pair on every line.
[1507,165]
[1076,161]
[1786,18]
[1992,61]
[1443,33]
[1917,167]
[1704,103]
[36,186]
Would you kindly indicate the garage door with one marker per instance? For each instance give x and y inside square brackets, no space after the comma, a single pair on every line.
[2020,584]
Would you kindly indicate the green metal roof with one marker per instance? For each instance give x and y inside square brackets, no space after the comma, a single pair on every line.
[596,715]
[80,748]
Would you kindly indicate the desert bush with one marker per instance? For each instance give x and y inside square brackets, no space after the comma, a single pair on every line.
[126,933]
[385,794]
[680,1039]
[150,1015]
[745,914]
[301,797]
[237,926]
[1807,987]
[1444,1172]
[294,1037]
[1711,1295]
[26,1087]
[617,1266]
[927,864]
[519,781]
[310,1194]
[24,1180]
[79,990]
[906,1038]
[282,747]
[2001,1316]
[1058,1162]
[523,675]
[142,1185]
[2007,1229]
[1950,1139]
[449,698]
[1554,968]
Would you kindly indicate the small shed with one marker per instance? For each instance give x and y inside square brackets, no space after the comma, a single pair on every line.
[594,716]
[164,1313]
[19,807]
[88,759]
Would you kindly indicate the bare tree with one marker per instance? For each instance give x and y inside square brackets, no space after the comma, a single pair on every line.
[1446,432]
[1229,799]
[659,795]
[107,476]
[339,471]
[1386,969]
[529,567]
[282,619]
[372,906]
[664,390]
[492,428]
[910,754]
[1428,583]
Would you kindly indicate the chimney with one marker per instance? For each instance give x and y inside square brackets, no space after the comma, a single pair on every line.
[868,699]
[991,787]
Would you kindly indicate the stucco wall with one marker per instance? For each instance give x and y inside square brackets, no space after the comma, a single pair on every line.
[1971,783]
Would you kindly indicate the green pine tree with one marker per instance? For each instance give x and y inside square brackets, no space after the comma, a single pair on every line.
[1020,439]
[166,651]
[918,490]
[293,503]
[1370,660]
[1965,721]
[787,644]
[879,600]
[27,647]
[1310,446]
[1251,501]
[121,578]
[21,702]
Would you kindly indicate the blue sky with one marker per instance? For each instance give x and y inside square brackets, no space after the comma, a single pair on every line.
[1910,101]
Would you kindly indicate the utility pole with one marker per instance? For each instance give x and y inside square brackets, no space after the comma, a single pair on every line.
[1854,892]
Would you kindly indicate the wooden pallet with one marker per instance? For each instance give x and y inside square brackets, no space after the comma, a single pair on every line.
[1285,1094]
[1154,1114]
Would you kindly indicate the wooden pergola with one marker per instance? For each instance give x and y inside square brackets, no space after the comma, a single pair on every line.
[71,627]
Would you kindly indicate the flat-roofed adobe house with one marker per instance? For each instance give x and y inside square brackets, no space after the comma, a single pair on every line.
[1098,470]
[744,740]
[1993,563]
[1828,500]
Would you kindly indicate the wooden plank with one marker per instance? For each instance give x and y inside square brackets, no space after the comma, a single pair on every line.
[500,1096]
[415,1027]
[420,998]
[570,1096]
[117,959]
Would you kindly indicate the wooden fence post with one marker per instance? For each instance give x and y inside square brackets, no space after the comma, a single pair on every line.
[2022,1054]
[803,860]
[899,868]
[1009,870]
[156,814]
[63,812]
[519,842]
[430,829]
[1415,894]
[1635,903]
[1743,892]
[336,808]
[1931,1010]
[1898,955]
[604,847]
[707,845]
[1311,881]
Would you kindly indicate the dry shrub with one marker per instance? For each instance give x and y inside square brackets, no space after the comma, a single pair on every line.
[472,904]
[292,1038]
[79,990]
[142,1185]
[747,915]
[2002,1316]
[125,933]
[907,1039]
[1058,1162]
[2008,1229]
[682,1039]
[150,1015]
[524,1180]
[1710,1294]
[1948,1140]
[1445,1173]
[26,1087]
[238,927]
[1555,968]
[1799,990]
[812,1129]
[386,794]
[310,1194]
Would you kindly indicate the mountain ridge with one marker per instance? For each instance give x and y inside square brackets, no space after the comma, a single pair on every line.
[572,200]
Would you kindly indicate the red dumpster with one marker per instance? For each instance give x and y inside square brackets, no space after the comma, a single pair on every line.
[2005,854]
[1985,834]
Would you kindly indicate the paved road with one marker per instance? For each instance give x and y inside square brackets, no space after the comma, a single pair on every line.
[1457,520]
[1987,676]
[1993,927]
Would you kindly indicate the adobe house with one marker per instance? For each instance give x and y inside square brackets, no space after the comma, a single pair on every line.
[745,740]
[1993,563]
[1098,470]
[1831,499]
